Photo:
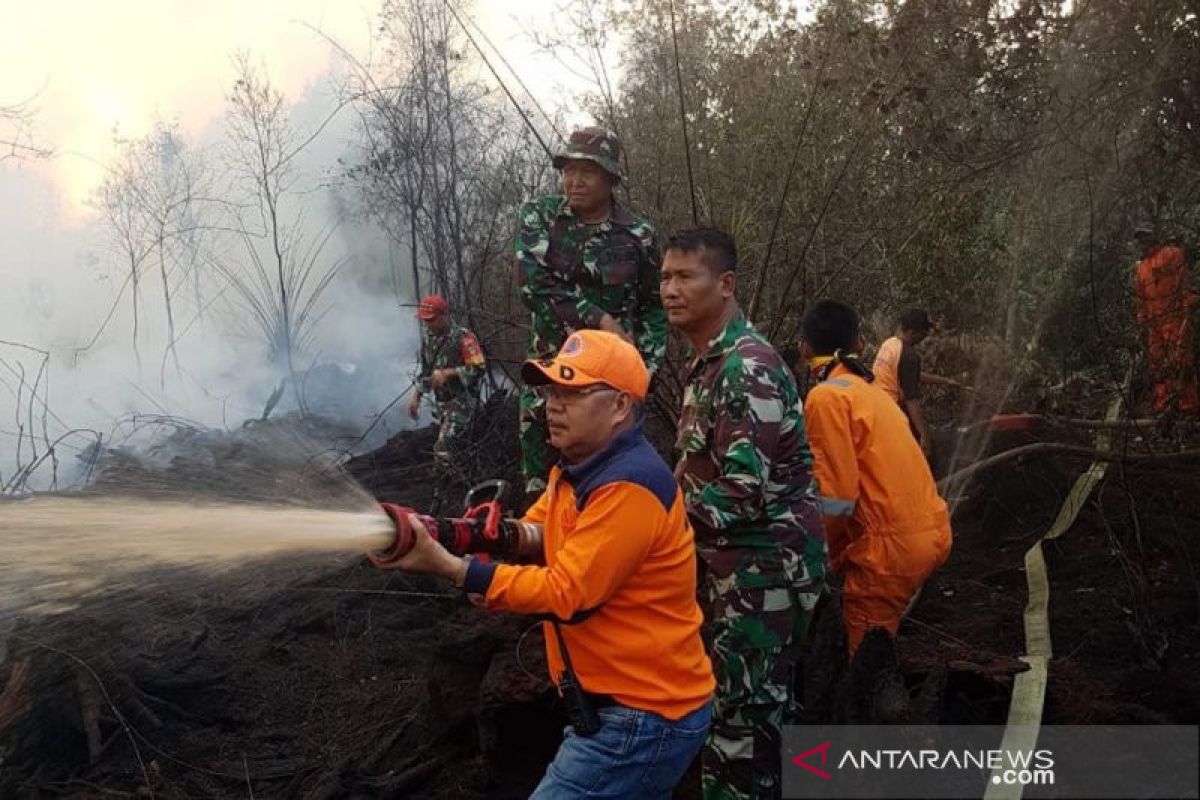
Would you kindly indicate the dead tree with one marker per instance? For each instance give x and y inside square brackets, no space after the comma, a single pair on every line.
[153,201]
[284,269]
[444,163]
[17,139]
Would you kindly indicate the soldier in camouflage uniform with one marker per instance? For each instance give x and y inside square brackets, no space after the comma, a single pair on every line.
[746,471]
[452,367]
[583,260]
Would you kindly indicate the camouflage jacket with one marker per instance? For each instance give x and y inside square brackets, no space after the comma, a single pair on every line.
[457,349]
[570,274]
[746,466]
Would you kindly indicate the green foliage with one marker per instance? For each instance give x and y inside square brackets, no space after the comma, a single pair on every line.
[986,161]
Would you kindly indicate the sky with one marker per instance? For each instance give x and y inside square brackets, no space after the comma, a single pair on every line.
[93,69]
[88,71]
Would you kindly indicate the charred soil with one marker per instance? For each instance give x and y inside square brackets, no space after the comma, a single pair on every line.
[321,677]
[1124,595]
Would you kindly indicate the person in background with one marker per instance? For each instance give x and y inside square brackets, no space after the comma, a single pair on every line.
[898,372]
[1166,300]
[887,527]
[584,260]
[452,367]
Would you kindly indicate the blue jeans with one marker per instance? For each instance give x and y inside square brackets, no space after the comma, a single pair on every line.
[635,754]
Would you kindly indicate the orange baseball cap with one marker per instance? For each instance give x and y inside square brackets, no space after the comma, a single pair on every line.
[431,306]
[588,357]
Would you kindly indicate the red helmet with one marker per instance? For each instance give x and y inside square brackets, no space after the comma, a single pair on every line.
[431,306]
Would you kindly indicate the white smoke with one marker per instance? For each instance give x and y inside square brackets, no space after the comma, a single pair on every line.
[60,281]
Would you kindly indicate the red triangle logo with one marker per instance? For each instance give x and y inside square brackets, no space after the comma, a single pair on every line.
[801,760]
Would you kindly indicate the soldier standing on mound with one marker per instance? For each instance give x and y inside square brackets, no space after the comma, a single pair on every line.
[584,260]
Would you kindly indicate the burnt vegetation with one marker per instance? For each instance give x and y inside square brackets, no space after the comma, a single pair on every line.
[986,161]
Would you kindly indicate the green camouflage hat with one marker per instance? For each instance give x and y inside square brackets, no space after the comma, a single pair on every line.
[593,144]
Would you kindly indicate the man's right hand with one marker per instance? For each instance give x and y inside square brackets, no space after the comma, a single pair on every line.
[414,405]
[608,323]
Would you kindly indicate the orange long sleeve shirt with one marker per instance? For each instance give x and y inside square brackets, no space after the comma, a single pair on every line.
[617,543]
[873,478]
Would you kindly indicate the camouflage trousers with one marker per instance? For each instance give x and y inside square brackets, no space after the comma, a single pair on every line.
[756,639]
[452,418]
[537,455]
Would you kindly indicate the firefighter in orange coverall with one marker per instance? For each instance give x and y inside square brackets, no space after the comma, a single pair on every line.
[1165,300]
[886,526]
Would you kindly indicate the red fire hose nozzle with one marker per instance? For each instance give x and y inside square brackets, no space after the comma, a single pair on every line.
[483,530]
[405,538]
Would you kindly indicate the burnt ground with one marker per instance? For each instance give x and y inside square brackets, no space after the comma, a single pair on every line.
[323,677]
[1124,593]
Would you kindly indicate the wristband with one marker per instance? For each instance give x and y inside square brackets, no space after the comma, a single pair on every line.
[461,577]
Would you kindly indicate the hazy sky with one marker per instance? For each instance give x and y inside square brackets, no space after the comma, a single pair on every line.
[89,69]
[94,67]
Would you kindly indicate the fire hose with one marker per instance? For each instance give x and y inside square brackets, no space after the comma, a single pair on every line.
[485,531]
[482,530]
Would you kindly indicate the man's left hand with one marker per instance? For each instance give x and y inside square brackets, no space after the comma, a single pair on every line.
[427,555]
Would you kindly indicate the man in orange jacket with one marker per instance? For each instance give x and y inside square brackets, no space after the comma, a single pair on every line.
[618,582]
[886,526]
[1165,302]
[899,374]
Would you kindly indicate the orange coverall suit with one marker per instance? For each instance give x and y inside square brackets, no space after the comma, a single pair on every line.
[886,526]
[1165,303]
